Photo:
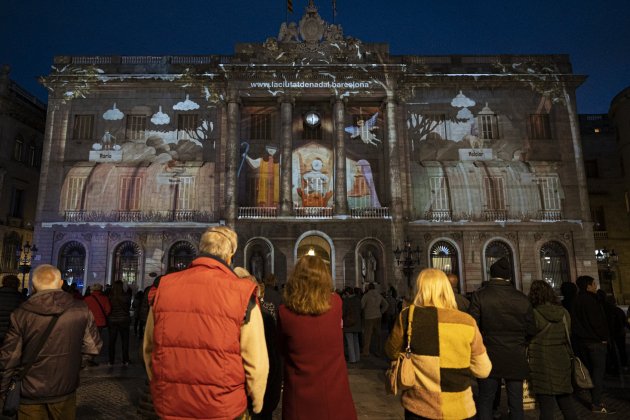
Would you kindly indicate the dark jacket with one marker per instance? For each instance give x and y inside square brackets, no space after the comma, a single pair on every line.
[55,373]
[9,300]
[506,321]
[549,354]
[121,304]
[589,324]
[352,314]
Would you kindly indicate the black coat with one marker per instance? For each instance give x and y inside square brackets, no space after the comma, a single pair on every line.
[9,300]
[589,324]
[506,321]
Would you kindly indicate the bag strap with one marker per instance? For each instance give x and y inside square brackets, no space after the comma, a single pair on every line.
[100,306]
[409,319]
[40,345]
[566,330]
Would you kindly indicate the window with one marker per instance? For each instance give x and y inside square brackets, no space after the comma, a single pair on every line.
[130,193]
[10,246]
[591,168]
[18,148]
[439,193]
[444,257]
[549,192]
[494,252]
[180,256]
[126,263]
[599,220]
[185,193]
[136,126]
[553,263]
[311,132]
[494,192]
[32,160]
[17,203]
[83,127]
[187,125]
[260,127]
[488,127]
[73,199]
[539,126]
[72,263]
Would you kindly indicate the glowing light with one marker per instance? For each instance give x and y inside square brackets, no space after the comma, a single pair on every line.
[311,252]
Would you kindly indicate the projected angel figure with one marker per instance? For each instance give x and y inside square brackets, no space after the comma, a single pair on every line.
[364,130]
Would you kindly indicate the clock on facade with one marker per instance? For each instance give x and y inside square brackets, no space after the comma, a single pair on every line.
[312,119]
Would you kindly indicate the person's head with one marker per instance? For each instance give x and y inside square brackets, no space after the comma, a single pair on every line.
[244,274]
[118,289]
[11,281]
[96,287]
[541,292]
[220,241]
[452,278]
[317,165]
[271,149]
[47,277]
[309,287]
[501,269]
[434,289]
[568,289]
[586,284]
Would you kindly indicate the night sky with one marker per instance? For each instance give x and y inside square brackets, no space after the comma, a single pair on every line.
[596,34]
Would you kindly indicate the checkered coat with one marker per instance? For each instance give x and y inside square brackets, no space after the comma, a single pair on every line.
[448,353]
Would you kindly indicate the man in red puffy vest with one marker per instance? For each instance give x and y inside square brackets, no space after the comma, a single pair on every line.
[204,342]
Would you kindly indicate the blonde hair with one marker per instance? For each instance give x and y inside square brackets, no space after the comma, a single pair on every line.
[220,241]
[244,274]
[46,276]
[308,290]
[434,289]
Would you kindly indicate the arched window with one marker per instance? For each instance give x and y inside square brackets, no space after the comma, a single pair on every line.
[495,251]
[127,263]
[444,257]
[554,264]
[180,256]
[72,263]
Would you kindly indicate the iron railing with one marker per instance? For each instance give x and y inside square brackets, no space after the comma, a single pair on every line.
[124,216]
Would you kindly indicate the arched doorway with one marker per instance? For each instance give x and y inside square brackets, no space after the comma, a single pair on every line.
[259,257]
[126,265]
[314,245]
[180,256]
[443,255]
[496,250]
[554,264]
[71,263]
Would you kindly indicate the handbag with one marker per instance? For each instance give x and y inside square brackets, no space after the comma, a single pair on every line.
[12,395]
[401,374]
[580,374]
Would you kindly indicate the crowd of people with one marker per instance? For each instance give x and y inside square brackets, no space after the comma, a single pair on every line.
[218,342]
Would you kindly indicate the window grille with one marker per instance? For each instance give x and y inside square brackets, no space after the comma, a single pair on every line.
[83,127]
[539,126]
[136,127]
[260,127]
[187,125]
[494,191]
[130,193]
[74,193]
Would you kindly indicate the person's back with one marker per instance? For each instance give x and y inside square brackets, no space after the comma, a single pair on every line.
[54,376]
[373,304]
[10,298]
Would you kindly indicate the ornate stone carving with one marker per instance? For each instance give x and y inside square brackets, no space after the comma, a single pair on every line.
[59,236]
[456,236]
[87,236]
[537,236]
[427,237]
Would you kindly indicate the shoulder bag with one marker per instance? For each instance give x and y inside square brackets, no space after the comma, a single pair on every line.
[12,396]
[401,374]
[581,376]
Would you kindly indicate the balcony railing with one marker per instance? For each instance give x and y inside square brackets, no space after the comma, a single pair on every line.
[257,212]
[83,216]
[439,215]
[495,215]
[313,212]
[370,213]
[600,234]
[550,215]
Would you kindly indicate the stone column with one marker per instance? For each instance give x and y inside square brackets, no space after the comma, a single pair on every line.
[286,165]
[231,157]
[341,199]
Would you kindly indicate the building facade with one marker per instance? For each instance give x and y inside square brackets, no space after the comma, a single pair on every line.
[314,141]
[22,123]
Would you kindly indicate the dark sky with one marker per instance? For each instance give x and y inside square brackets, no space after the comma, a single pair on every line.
[596,34]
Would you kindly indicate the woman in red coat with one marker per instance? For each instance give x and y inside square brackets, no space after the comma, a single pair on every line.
[311,340]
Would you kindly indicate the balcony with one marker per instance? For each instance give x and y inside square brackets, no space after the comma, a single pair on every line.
[550,215]
[313,212]
[600,234]
[370,213]
[495,215]
[124,216]
[439,215]
[257,212]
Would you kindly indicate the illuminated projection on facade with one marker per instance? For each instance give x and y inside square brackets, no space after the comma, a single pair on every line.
[313,141]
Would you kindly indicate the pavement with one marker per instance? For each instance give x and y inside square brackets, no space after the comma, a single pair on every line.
[116,392]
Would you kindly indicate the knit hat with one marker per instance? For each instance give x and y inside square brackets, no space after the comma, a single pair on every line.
[501,269]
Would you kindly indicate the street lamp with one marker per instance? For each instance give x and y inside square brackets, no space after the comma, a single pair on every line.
[407,258]
[25,259]
[607,259]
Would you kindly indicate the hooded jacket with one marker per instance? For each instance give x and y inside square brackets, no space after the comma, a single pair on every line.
[549,358]
[55,372]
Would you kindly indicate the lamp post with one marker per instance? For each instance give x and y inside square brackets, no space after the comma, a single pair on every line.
[407,259]
[607,259]
[25,259]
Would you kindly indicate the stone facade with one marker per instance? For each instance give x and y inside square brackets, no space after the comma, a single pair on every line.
[22,122]
[314,141]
